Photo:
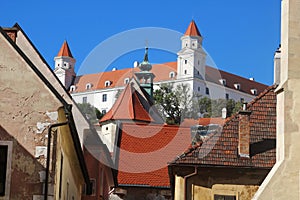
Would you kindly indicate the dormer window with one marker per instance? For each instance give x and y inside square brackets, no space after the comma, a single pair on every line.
[172,74]
[88,86]
[126,80]
[254,91]
[223,81]
[237,86]
[107,83]
[72,88]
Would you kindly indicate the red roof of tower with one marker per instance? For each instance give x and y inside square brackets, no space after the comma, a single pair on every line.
[65,50]
[128,107]
[192,30]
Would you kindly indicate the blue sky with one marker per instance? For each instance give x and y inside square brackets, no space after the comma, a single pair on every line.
[240,36]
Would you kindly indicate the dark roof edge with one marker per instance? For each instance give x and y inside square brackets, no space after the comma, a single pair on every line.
[67,106]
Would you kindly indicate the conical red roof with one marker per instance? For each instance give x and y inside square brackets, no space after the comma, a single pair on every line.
[192,30]
[65,50]
[128,106]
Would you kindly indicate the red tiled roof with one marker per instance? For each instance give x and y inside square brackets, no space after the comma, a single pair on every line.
[161,72]
[128,107]
[221,148]
[192,29]
[207,121]
[202,121]
[145,151]
[65,50]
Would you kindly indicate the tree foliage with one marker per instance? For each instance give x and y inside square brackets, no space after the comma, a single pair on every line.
[91,113]
[177,103]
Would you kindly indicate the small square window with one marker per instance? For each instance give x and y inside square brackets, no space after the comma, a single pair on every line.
[84,99]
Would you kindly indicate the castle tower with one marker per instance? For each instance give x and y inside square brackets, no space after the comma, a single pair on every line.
[191,58]
[144,76]
[64,65]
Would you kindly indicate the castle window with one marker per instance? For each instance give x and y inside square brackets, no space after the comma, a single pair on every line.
[106,128]
[84,99]
[254,91]
[172,74]
[227,96]
[223,81]
[104,97]
[207,90]
[65,64]
[88,86]
[107,83]
[237,86]
[185,71]
[186,44]
[185,61]
[72,88]
[198,89]
[126,80]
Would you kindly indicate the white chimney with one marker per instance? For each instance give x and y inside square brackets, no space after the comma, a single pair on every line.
[224,113]
[277,57]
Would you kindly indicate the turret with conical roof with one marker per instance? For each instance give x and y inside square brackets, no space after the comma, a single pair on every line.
[64,65]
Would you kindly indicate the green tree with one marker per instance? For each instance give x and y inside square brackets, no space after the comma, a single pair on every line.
[90,112]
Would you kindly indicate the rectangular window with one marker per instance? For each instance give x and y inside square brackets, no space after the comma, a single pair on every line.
[3,166]
[84,99]
[93,186]
[207,90]
[224,197]
[104,97]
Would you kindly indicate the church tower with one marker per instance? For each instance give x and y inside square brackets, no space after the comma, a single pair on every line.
[191,58]
[64,65]
[144,76]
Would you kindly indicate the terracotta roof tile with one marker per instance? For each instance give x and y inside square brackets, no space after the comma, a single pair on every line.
[65,50]
[192,29]
[221,147]
[145,151]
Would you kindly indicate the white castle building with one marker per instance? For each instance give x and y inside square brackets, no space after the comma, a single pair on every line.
[190,68]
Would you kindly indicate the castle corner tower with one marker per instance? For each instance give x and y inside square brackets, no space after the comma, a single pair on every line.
[64,65]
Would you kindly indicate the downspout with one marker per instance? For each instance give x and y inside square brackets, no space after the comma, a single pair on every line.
[185,181]
[48,156]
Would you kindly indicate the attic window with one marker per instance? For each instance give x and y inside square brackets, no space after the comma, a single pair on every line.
[72,88]
[223,81]
[107,83]
[254,91]
[172,74]
[237,86]
[126,80]
[88,86]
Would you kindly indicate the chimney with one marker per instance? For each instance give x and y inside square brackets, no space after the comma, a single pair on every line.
[224,113]
[12,33]
[277,59]
[244,133]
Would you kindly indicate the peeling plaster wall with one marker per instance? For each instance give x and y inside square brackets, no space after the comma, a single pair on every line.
[24,109]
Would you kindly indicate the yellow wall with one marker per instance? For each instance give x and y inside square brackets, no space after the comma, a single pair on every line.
[72,178]
[242,192]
